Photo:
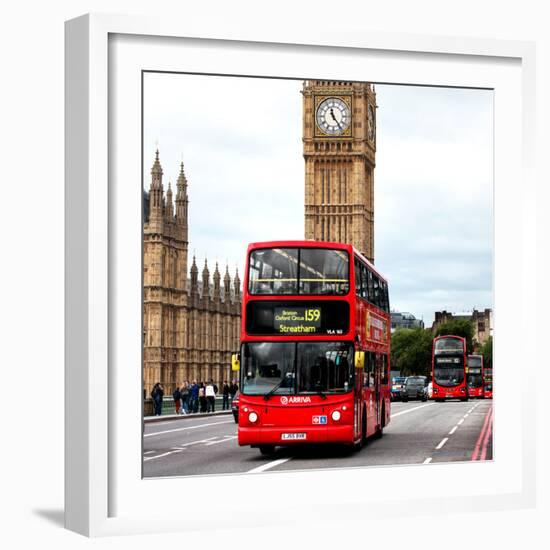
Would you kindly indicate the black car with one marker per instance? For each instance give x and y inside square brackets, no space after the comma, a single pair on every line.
[235,407]
[414,388]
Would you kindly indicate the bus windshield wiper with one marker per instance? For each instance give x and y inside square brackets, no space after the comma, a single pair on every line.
[273,389]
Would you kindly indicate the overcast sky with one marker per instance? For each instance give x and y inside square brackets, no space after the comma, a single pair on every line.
[240,142]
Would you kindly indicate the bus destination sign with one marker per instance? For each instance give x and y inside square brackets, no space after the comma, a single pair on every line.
[297,317]
[447,360]
[297,320]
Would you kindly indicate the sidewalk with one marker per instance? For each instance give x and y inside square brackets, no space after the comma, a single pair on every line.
[148,419]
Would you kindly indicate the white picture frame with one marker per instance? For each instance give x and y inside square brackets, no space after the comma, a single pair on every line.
[105,55]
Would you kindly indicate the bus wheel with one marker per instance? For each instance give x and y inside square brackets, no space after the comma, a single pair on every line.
[359,445]
[380,430]
[267,450]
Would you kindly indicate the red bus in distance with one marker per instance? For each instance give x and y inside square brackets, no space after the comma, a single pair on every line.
[449,368]
[474,378]
[488,383]
[314,358]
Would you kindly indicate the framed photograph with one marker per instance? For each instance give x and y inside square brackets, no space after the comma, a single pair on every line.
[367,170]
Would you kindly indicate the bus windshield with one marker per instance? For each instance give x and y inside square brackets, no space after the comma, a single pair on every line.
[310,271]
[448,371]
[324,367]
[448,376]
[283,368]
[475,380]
[449,345]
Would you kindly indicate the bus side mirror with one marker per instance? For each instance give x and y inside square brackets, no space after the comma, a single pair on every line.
[235,362]
[359,359]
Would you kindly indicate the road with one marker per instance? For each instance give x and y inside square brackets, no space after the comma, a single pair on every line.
[418,433]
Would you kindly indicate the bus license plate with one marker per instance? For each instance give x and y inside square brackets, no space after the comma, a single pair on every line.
[294,436]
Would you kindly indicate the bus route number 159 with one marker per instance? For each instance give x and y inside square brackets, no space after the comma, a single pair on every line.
[312,314]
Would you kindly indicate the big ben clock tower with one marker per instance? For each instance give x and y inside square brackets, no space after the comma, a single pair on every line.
[339,136]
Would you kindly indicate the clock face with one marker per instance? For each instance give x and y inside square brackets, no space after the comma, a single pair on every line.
[333,116]
[371,124]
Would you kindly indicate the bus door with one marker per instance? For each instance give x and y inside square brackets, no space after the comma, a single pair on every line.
[370,371]
[358,397]
[378,389]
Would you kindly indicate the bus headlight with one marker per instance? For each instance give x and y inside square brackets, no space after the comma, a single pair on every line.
[336,415]
[252,417]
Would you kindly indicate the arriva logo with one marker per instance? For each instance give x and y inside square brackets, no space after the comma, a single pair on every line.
[295,399]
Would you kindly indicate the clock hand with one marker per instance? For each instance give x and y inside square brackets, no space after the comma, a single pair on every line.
[334,118]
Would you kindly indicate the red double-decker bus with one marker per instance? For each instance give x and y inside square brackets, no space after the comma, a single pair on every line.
[449,368]
[314,359]
[474,376]
[488,383]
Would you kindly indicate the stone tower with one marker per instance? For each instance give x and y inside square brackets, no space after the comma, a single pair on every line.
[339,137]
[189,329]
[164,275]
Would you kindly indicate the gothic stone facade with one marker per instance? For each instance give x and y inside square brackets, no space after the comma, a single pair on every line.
[339,145]
[190,327]
[482,321]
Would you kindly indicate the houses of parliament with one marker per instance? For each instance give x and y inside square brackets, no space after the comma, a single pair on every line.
[191,324]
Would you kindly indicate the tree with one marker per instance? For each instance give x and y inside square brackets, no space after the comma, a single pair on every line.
[411,351]
[487,352]
[458,327]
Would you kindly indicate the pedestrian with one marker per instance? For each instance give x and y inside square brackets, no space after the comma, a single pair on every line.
[225,394]
[157,394]
[194,397]
[210,392]
[177,399]
[202,397]
[233,391]
[184,394]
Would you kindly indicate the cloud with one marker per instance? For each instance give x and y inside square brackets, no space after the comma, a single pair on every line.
[240,141]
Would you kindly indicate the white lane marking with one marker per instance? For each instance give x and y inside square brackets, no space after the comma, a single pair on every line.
[466,415]
[410,410]
[442,443]
[453,430]
[268,465]
[148,452]
[158,456]
[187,428]
[427,461]
[176,449]
[183,445]
[460,421]
[227,438]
